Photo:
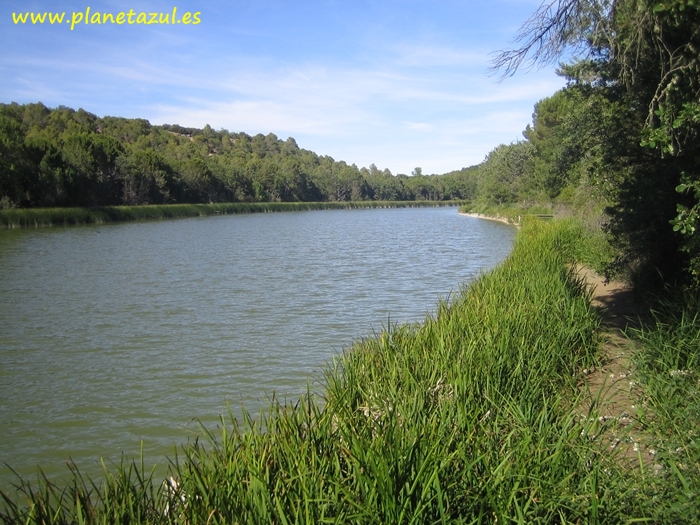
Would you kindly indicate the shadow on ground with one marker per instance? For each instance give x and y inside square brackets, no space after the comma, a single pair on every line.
[611,394]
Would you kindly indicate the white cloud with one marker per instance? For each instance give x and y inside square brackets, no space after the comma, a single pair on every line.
[420,126]
[412,104]
[431,55]
[369,116]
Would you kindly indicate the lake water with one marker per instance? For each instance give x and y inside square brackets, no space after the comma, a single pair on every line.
[121,335]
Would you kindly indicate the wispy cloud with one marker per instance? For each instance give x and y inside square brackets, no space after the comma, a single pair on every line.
[420,126]
[385,94]
[431,55]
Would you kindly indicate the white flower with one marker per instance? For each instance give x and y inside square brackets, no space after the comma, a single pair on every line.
[680,373]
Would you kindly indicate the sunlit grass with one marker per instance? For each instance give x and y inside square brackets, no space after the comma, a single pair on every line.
[591,246]
[668,368]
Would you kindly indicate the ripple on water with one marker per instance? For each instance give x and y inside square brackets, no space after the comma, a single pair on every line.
[113,335]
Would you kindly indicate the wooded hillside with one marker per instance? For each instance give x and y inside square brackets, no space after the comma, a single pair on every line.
[63,157]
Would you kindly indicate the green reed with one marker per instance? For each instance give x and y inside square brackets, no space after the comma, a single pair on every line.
[668,369]
[469,417]
[38,217]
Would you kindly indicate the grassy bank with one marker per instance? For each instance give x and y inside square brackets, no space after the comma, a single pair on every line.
[668,369]
[513,215]
[37,217]
[591,247]
[469,417]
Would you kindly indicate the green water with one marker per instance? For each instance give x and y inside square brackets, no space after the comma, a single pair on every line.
[113,337]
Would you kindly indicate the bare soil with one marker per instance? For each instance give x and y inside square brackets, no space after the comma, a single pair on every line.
[611,396]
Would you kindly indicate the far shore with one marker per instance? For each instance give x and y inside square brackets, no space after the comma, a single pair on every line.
[497,218]
[39,217]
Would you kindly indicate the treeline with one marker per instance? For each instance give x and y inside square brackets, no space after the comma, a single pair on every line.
[62,157]
[584,151]
[571,157]
[623,136]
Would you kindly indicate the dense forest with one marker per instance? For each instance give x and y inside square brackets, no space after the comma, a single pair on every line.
[622,137]
[62,157]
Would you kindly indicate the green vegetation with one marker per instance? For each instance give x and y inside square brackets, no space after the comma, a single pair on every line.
[621,137]
[474,415]
[668,368]
[618,148]
[592,247]
[35,217]
[66,158]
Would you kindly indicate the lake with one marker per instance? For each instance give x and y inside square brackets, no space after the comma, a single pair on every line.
[122,336]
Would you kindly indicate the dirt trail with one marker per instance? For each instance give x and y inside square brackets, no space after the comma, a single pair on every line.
[611,388]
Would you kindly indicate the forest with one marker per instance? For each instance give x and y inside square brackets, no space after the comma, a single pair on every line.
[63,157]
[620,144]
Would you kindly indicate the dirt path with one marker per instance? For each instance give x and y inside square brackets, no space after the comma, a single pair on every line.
[611,396]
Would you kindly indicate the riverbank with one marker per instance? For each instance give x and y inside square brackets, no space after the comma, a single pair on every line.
[43,217]
[496,218]
[472,416]
[464,417]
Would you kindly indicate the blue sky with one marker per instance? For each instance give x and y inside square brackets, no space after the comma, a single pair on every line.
[397,83]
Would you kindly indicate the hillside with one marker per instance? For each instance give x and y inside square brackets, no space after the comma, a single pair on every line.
[63,157]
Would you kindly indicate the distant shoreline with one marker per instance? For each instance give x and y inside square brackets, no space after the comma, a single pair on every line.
[43,217]
[497,218]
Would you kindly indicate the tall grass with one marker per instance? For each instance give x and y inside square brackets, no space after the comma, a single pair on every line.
[591,246]
[468,417]
[668,368]
[37,217]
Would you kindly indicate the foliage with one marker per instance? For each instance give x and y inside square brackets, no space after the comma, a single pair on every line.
[627,125]
[502,172]
[668,366]
[66,158]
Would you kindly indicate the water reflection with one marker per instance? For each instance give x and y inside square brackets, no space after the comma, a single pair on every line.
[113,335]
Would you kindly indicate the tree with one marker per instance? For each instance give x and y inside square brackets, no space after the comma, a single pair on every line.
[199,182]
[145,178]
[644,56]
[14,169]
[504,171]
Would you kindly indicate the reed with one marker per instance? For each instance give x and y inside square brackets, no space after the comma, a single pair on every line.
[668,370]
[468,417]
[591,246]
[39,217]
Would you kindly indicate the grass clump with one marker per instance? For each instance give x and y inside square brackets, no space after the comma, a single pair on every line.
[468,417]
[591,245]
